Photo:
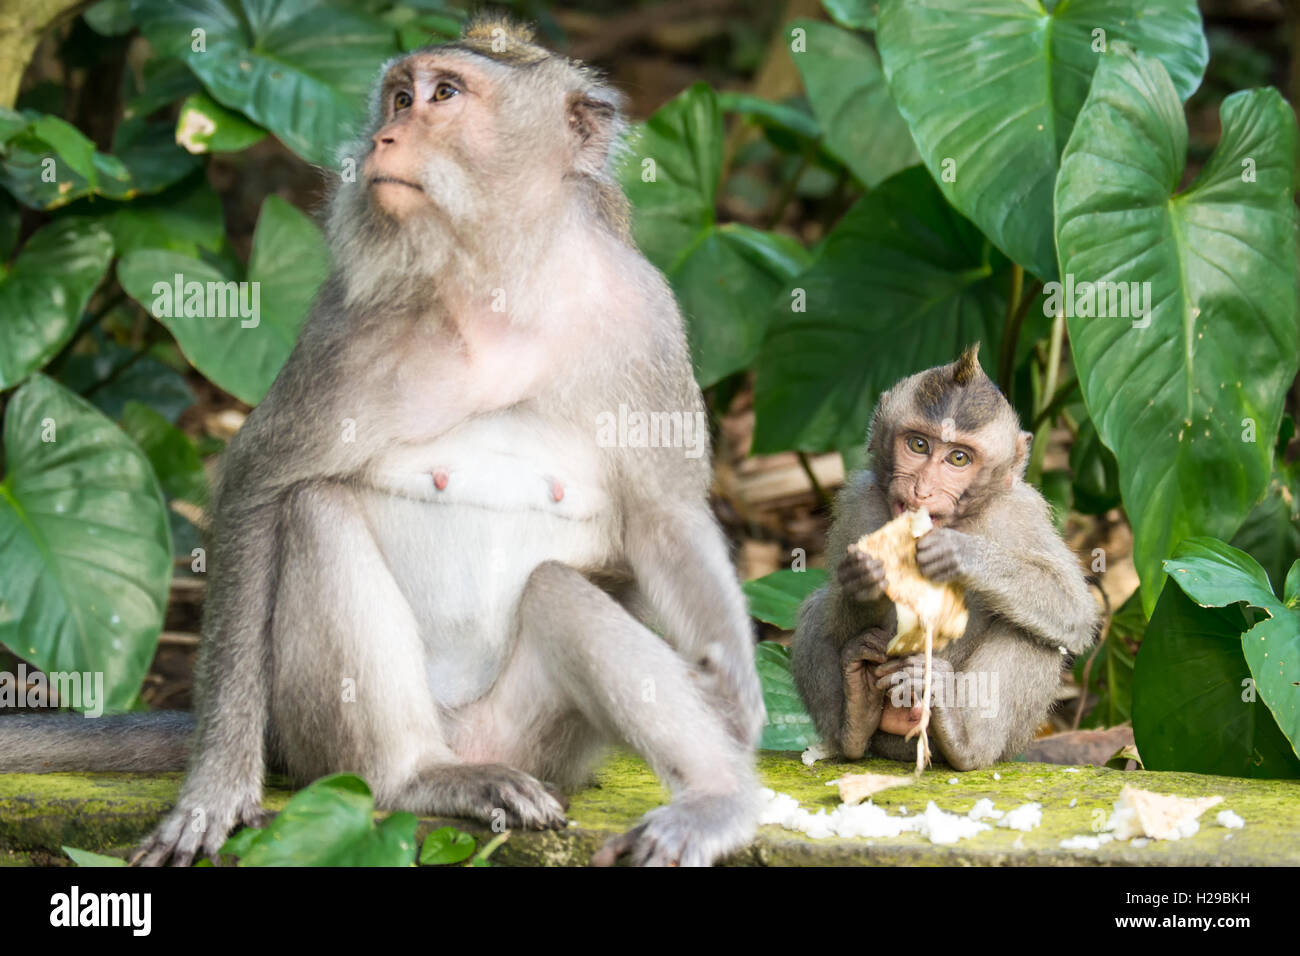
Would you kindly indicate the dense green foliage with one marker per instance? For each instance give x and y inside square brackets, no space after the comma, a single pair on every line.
[972,176]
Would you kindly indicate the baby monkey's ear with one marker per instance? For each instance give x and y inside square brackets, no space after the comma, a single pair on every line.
[594,125]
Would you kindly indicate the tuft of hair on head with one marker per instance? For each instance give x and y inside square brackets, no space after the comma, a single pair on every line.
[967,368]
[502,38]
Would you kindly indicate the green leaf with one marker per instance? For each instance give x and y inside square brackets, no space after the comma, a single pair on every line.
[671,175]
[172,453]
[85,551]
[1271,532]
[446,845]
[724,276]
[44,293]
[87,858]
[330,823]
[933,284]
[110,18]
[1214,574]
[1221,342]
[47,163]
[847,92]
[239,843]
[297,67]
[991,89]
[1192,705]
[1096,474]
[793,121]
[854,14]
[288,262]
[111,376]
[788,725]
[725,287]
[205,126]
[775,598]
[185,218]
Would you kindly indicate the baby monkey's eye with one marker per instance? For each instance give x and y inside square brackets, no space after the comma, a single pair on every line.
[919,445]
[402,99]
[444,91]
[959,458]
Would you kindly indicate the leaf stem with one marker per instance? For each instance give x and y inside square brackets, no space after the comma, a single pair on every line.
[1017,308]
[1053,365]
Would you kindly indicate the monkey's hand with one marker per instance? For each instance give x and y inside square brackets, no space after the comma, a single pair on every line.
[194,828]
[902,683]
[944,554]
[864,699]
[861,576]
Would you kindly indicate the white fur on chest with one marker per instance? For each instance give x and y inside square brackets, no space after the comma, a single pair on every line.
[464,522]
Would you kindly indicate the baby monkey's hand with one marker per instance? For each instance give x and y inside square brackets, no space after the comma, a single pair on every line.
[861,576]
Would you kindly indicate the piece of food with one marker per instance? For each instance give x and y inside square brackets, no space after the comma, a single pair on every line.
[856,787]
[1162,816]
[918,600]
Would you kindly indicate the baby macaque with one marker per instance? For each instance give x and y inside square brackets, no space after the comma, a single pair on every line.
[948,441]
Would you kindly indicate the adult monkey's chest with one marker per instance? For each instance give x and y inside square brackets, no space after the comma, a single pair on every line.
[464,520]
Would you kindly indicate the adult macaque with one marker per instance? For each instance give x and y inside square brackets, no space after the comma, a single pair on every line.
[947,440]
[425,568]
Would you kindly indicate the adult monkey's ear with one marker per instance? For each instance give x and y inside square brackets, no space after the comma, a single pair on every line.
[595,122]
[1021,460]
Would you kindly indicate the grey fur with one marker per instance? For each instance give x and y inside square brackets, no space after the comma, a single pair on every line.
[126,743]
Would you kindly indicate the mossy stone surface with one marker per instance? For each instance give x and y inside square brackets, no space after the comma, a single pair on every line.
[39,813]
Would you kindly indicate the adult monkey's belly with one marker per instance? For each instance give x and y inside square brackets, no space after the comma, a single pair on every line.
[463,522]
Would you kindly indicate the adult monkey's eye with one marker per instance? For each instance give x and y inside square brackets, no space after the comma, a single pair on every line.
[919,445]
[444,91]
[402,99]
[959,458]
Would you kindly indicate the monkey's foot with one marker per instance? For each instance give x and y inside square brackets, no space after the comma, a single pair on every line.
[493,793]
[193,829]
[691,831]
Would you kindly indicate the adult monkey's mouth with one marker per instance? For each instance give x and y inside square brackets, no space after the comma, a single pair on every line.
[376,180]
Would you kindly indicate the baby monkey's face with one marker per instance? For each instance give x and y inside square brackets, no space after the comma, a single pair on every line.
[932,470]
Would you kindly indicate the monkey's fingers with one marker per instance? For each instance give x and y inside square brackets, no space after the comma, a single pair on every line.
[639,848]
[614,849]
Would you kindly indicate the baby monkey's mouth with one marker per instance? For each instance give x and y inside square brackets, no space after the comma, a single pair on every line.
[376,180]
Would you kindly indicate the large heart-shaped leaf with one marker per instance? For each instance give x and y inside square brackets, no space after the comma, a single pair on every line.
[85,551]
[788,725]
[288,263]
[902,283]
[299,68]
[991,89]
[44,293]
[724,276]
[1189,399]
[846,90]
[1193,708]
[330,823]
[1214,574]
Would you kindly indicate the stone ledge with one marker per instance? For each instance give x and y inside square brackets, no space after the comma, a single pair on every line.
[39,813]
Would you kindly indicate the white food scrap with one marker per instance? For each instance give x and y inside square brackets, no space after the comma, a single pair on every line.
[1161,816]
